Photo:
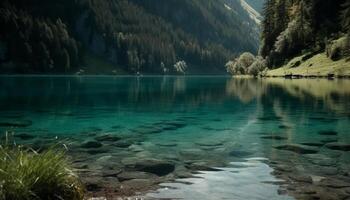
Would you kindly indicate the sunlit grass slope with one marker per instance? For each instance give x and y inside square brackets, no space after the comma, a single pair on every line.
[318,65]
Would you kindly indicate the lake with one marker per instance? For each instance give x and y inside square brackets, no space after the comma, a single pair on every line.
[204,138]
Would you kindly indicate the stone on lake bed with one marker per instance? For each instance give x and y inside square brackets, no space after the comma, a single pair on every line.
[24,136]
[138,184]
[301,178]
[208,143]
[329,140]
[123,144]
[167,144]
[274,137]
[107,138]
[153,166]
[313,144]
[16,123]
[328,133]
[240,153]
[321,160]
[338,146]
[192,154]
[201,166]
[91,144]
[129,175]
[334,183]
[147,130]
[296,148]
[284,127]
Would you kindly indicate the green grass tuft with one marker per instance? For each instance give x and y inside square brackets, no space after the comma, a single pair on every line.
[27,175]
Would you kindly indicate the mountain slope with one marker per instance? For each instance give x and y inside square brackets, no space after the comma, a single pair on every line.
[147,36]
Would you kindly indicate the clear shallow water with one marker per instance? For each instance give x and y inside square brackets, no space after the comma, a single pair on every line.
[195,123]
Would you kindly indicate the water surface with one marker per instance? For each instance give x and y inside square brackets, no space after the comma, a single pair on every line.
[226,138]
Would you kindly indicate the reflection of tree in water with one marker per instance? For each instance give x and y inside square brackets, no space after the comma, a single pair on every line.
[245,89]
[335,94]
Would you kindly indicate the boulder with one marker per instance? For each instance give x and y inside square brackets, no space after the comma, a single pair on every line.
[157,167]
[15,123]
[240,153]
[335,183]
[24,136]
[274,137]
[107,138]
[296,148]
[153,166]
[129,175]
[328,133]
[338,146]
[91,144]
[208,143]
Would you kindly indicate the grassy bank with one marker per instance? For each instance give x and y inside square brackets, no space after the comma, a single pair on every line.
[318,65]
[28,175]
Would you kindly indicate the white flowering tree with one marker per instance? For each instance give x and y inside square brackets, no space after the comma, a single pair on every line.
[180,67]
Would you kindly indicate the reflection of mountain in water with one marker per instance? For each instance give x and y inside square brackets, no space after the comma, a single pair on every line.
[334,94]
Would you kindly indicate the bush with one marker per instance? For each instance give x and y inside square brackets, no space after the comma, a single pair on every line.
[27,175]
[240,65]
[246,64]
[258,66]
[180,67]
[339,48]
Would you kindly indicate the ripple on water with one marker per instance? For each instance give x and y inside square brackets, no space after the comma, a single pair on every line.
[251,182]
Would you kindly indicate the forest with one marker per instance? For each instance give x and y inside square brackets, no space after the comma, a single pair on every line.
[136,36]
[294,28]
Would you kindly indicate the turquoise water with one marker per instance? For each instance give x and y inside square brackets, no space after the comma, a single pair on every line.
[226,138]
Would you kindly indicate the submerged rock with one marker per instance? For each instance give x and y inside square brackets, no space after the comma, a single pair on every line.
[91,144]
[296,148]
[274,137]
[284,127]
[329,140]
[125,176]
[313,144]
[240,153]
[328,133]
[24,136]
[123,144]
[107,138]
[334,183]
[153,166]
[208,143]
[301,178]
[167,144]
[321,160]
[147,130]
[338,146]
[192,154]
[158,167]
[16,123]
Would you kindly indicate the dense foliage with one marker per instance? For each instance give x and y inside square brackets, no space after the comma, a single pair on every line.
[246,64]
[27,175]
[147,36]
[293,26]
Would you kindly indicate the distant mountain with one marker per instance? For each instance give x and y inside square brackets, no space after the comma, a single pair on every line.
[256,4]
[129,36]
[253,13]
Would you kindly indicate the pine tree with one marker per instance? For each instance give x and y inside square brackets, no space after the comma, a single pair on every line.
[345,16]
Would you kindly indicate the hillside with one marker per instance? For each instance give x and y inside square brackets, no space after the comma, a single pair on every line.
[292,28]
[146,36]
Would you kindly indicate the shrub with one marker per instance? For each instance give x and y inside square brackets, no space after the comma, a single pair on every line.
[180,67]
[27,175]
[258,66]
[339,48]
[240,65]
